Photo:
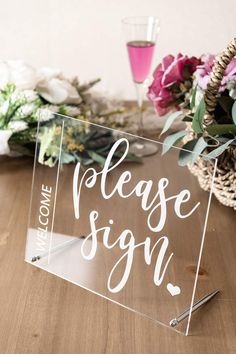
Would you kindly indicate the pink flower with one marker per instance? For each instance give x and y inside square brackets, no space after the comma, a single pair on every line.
[203,72]
[170,73]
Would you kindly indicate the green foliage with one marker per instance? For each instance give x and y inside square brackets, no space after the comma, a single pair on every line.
[21,110]
[193,98]
[217,137]
[67,158]
[218,151]
[96,157]
[191,151]
[49,146]
[81,142]
[198,117]
[170,119]
[221,129]
[171,140]
[185,154]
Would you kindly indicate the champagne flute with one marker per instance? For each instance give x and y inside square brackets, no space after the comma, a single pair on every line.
[141,35]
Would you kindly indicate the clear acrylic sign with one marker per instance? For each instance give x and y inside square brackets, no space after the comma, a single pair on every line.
[122,229]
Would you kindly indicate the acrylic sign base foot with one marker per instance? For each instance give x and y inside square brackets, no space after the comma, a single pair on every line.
[197,305]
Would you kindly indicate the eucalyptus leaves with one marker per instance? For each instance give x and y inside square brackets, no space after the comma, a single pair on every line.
[214,139]
[179,83]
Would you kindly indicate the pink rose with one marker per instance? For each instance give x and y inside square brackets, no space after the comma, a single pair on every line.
[203,72]
[167,78]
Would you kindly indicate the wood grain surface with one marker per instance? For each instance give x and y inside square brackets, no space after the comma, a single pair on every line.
[41,313]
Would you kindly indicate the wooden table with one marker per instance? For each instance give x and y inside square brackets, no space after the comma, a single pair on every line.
[41,313]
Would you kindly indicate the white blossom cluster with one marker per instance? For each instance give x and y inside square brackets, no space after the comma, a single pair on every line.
[28,95]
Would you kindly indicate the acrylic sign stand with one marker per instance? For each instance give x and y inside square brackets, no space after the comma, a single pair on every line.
[122,231]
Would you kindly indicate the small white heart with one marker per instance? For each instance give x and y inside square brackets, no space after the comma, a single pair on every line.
[173,290]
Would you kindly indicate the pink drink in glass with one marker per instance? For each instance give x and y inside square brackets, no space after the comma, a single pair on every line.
[140,56]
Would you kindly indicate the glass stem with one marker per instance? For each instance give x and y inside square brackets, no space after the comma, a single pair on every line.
[139,91]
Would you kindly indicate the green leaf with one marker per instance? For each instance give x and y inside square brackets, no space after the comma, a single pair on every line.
[96,158]
[67,158]
[186,154]
[129,157]
[234,112]
[171,139]
[82,159]
[193,98]
[47,148]
[195,147]
[169,121]
[198,117]
[220,129]
[218,151]
[199,148]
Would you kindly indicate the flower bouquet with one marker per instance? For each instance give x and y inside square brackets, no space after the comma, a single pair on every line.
[27,95]
[202,93]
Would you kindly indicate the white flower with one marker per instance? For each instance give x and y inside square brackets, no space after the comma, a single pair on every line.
[25,111]
[58,91]
[18,73]
[17,96]
[30,95]
[72,111]
[26,96]
[23,97]
[52,108]
[44,114]
[4,137]
[4,107]
[54,88]
[48,82]
[17,126]
[46,74]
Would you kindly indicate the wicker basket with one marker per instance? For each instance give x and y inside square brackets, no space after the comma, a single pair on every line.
[225,181]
